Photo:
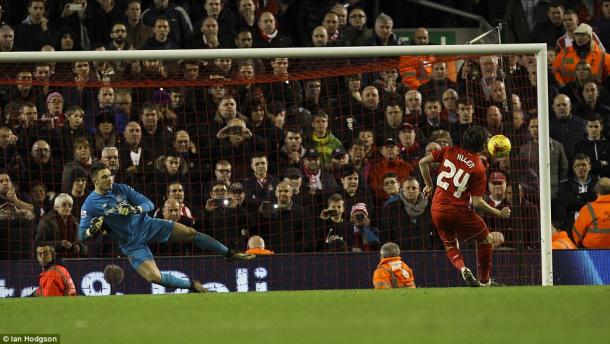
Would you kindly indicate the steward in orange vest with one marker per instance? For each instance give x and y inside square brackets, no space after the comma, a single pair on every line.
[592,226]
[391,271]
[55,280]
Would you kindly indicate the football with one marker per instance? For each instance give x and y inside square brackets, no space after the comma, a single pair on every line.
[499,146]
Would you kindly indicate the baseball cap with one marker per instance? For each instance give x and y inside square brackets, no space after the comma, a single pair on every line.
[497,177]
[584,28]
[292,173]
[338,153]
[407,126]
[311,154]
[385,141]
[161,97]
[104,117]
[359,208]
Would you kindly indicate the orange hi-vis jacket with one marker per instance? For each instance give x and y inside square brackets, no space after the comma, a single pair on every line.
[561,241]
[564,66]
[592,227]
[56,281]
[393,273]
[260,251]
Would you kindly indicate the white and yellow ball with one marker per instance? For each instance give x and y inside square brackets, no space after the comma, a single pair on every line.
[499,146]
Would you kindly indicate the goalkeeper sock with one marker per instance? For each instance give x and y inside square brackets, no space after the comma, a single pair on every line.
[169,280]
[206,242]
[455,257]
[484,261]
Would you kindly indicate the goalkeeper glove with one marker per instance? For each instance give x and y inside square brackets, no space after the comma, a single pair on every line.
[128,209]
[95,228]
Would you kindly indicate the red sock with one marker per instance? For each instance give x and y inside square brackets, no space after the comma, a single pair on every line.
[484,261]
[455,257]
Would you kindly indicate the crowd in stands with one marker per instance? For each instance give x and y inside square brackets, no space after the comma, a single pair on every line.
[319,164]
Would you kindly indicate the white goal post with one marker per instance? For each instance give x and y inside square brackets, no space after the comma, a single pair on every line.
[539,50]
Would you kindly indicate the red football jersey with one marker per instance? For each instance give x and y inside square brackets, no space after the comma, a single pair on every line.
[460,175]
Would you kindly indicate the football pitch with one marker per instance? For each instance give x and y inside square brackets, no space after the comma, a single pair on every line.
[449,315]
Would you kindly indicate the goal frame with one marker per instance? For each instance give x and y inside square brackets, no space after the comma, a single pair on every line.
[537,49]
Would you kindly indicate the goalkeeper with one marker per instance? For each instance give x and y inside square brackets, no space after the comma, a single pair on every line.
[121,212]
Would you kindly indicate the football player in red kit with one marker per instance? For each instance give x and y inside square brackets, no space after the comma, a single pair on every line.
[462,179]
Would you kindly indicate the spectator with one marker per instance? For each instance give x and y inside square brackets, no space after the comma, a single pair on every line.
[570,24]
[390,162]
[161,39]
[574,89]
[494,122]
[465,111]
[224,220]
[82,157]
[391,186]
[282,222]
[238,144]
[55,113]
[409,146]
[134,155]
[383,34]
[498,198]
[405,218]
[520,19]
[450,97]
[224,16]
[292,152]
[370,110]
[42,168]
[268,35]
[106,134]
[246,19]
[442,137]
[175,191]
[319,37]
[584,48]
[34,31]
[137,31]
[366,236]
[317,180]
[55,280]
[77,189]
[334,224]
[331,24]
[592,103]
[118,38]
[41,199]
[7,38]
[551,29]
[13,204]
[355,33]
[289,92]
[577,191]
[256,244]
[154,135]
[558,160]
[438,83]
[353,187]
[392,272]
[66,40]
[72,129]
[565,127]
[261,185]
[110,158]
[595,146]
[89,23]
[209,38]
[432,121]
[168,168]
[171,211]
[322,139]
[58,229]
[392,123]
[587,231]
[357,156]
[413,106]
[177,23]
[602,24]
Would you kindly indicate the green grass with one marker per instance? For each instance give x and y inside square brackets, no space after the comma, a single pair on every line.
[491,315]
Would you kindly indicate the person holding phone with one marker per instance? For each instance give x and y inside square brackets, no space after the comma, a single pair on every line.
[334,225]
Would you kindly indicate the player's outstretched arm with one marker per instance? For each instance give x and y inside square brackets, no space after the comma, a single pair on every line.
[137,199]
[480,205]
[91,231]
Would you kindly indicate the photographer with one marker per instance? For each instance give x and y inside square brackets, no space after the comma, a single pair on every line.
[334,225]
[224,220]
[367,236]
[282,223]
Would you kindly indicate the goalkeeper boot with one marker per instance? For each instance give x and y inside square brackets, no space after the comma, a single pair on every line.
[196,287]
[469,278]
[492,283]
[233,256]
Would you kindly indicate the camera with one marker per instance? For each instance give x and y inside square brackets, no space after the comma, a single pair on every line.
[359,217]
[234,130]
[75,7]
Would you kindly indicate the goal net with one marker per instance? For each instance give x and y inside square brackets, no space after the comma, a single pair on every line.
[312,152]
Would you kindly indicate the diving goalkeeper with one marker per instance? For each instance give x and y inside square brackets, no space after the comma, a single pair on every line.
[121,212]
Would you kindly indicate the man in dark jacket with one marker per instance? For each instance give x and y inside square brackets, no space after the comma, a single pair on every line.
[406,219]
[595,146]
[33,32]
[181,27]
[575,192]
[161,39]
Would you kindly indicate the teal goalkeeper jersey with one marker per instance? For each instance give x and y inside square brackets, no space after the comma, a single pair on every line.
[121,228]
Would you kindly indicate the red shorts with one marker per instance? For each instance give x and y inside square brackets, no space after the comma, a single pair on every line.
[462,223]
